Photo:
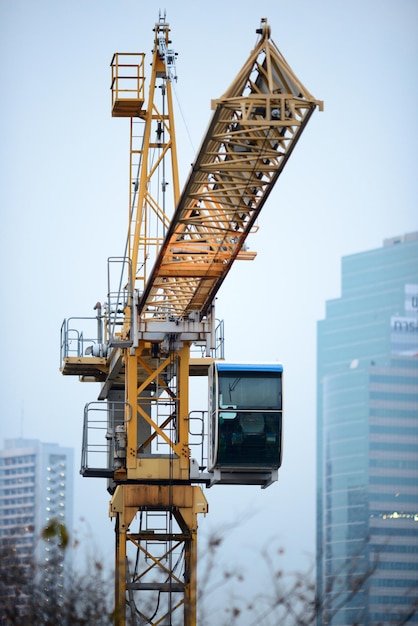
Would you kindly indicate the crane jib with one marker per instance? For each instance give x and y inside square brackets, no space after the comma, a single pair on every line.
[254,129]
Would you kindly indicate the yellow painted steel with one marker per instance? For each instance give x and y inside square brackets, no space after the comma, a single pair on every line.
[149,211]
[128,84]
[180,248]
[149,219]
[186,503]
[254,129]
[178,265]
[148,483]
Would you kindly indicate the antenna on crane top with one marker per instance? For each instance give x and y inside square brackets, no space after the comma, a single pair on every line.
[264,29]
[166,54]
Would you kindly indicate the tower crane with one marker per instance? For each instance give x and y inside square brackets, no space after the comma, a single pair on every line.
[158,328]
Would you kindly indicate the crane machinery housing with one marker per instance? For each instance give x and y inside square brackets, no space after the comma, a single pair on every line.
[157,327]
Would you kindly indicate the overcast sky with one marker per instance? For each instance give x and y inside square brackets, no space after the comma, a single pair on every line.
[351,182]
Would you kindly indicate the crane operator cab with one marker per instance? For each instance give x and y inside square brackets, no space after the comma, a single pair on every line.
[245,423]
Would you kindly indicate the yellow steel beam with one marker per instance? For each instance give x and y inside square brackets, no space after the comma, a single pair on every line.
[148,216]
[186,503]
[254,129]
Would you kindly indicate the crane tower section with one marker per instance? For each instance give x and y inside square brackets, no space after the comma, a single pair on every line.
[153,160]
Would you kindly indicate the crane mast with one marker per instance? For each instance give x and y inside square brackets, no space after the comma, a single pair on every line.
[160,306]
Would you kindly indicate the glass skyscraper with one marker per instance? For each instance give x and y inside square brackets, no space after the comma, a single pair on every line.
[367,441]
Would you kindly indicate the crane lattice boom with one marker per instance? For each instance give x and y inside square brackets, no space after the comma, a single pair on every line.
[254,129]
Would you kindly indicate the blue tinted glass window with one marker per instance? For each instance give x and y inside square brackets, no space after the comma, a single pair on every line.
[248,390]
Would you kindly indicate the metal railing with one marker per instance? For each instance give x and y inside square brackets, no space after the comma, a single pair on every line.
[119,294]
[198,437]
[104,438]
[218,352]
[128,76]
[80,336]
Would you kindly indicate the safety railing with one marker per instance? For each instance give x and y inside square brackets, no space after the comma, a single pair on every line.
[198,437]
[128,83]
[218,352]
[104,438]
[119,295]
[81,336]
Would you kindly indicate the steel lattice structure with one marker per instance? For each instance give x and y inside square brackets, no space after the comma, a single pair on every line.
[162,306]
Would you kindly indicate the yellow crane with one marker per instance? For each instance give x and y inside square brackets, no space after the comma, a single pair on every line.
[157,327]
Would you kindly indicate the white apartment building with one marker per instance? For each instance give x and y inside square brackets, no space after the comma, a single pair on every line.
[36,487]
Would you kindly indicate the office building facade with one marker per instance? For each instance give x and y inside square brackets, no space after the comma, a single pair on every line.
[36,488]
[367,440]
